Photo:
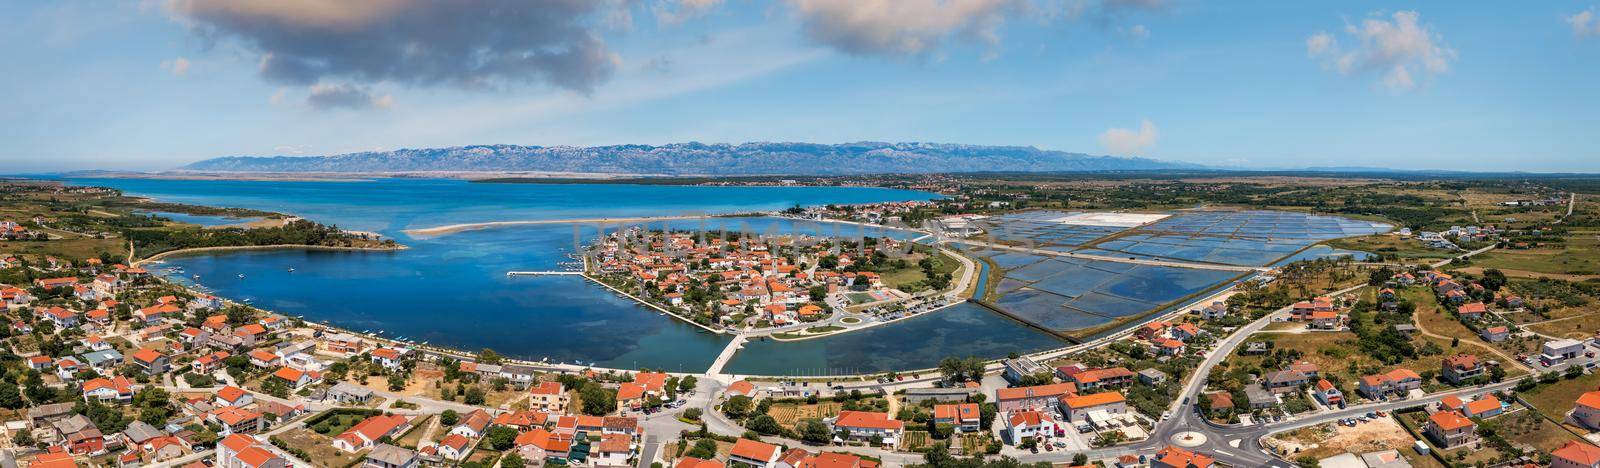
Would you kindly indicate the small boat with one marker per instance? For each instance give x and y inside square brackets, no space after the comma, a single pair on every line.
[196,276]
[241,275]
[291,269]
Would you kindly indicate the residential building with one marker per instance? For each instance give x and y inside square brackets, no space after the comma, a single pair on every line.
[242,451]
[1329,394]
[1284,381]
[1025,424]
[152,361]
[1460,368]
[965,416]
[1078,408]
[1398,381]
[548,396]
[389,456]
[864,426]
[1575,455]
[1449,429]
[1176,457]
[1036,397]
[1587,410]
[753,453]
[1022,367]
[367,432]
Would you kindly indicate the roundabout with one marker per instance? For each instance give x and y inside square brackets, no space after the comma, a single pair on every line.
[1188,439]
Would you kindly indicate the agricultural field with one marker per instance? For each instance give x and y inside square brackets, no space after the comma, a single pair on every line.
[789,414]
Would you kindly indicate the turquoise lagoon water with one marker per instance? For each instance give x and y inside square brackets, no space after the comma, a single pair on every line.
[914,343]
[452,290]
[202,220]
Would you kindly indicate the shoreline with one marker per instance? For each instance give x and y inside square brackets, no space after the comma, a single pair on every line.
[455,228]
[229,248]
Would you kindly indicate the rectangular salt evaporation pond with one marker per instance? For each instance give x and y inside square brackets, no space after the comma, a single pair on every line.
[910,344]
[775,226]
[1088,293]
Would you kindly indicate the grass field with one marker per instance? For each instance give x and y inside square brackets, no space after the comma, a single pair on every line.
[788,414]
[1524,427]
[1579,256]
[1557,399]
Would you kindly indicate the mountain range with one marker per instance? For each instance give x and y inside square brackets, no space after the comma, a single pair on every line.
[682,159]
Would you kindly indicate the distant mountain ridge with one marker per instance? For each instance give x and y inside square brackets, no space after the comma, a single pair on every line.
[760,158]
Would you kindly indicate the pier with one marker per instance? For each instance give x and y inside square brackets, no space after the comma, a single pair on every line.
[544,273]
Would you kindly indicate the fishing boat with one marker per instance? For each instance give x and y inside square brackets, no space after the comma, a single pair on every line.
[291,269]
[241,275]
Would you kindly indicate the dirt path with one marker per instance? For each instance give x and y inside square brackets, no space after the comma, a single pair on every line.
[1423,329]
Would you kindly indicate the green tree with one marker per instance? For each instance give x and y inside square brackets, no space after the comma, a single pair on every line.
[474,396]
[597,400]
[512,460]
[397,382]
[814,431]
[686,383]
[737,407]
[705,449]
[449,417]
[765,424]
[10,396]
[500,437]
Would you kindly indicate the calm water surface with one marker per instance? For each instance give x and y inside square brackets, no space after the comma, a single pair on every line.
[452,290]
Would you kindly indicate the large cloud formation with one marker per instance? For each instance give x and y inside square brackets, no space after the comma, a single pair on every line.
[1123,142]
[1401,50]
[462,43]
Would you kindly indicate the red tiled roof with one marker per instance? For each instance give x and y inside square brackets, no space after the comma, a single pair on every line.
[1578,453]
[867,419]
[754,450]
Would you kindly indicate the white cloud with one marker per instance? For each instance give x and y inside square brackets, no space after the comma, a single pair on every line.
[346,96]
[1584,23]
[673,12]
[1401,50]
[178,66]
[1122,141]
[902,28]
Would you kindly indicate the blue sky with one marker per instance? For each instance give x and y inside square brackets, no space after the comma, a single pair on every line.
[155,84]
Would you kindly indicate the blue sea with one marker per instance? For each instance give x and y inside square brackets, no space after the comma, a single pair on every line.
[452,290]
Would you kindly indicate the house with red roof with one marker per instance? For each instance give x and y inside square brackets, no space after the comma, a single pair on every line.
[1176,457]
[233,396]
[1035,397]
[1397,381]
[964,416]
[473,424]
[540,444]
[454,446]
[389,358]
[1575,455]
[210,362]
[1472,310]
[242,451]
[367,432]
[548,396]
[152,361]
[235,420]
[297,378]
[1486,406]
[692,462]
[1587,410]
[115,389]
[1461,368]
[866,425]
[1328,394]
[1450,429]
[754,453]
